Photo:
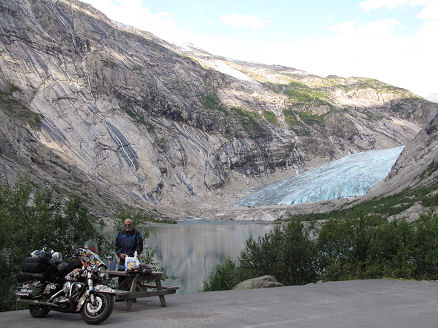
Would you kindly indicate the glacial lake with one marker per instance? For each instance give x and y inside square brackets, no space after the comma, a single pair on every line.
[190,250]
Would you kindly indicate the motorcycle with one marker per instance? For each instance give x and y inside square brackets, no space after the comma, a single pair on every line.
[47,284]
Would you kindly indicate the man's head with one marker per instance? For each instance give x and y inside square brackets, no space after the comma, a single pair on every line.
[128,224]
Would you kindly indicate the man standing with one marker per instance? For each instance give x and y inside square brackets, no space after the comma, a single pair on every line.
[128,241]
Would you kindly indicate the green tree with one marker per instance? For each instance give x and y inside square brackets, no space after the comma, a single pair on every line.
[392,249]
[34,217]
[425,253]
[286,253]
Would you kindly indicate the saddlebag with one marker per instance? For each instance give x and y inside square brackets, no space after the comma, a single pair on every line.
[28,276]
[35,264]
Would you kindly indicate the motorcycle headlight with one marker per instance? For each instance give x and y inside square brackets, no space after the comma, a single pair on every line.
[102,273]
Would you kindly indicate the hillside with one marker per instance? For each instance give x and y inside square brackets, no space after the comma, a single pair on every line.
[124,118]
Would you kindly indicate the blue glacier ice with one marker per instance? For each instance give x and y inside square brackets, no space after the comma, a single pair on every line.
[352,175]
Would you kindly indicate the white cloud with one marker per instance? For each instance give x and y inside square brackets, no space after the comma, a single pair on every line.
[134,13]
[374,30]
[430,12]
[368,5]
[431,5]
[240,20]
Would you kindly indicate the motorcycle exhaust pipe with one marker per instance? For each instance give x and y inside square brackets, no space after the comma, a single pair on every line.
[35,302]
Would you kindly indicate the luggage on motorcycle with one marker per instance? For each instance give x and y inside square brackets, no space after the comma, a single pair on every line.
[35,264]
[28,276]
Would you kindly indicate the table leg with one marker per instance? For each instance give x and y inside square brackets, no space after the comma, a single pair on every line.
[159,287]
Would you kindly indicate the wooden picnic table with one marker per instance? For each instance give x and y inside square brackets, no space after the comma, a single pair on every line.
[135,285]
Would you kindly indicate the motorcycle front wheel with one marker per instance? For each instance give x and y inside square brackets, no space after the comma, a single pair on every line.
[100,310]
[39,311]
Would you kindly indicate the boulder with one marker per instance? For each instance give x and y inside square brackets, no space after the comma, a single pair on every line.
[260,282]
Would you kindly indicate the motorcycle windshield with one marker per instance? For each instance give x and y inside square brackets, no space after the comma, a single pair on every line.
[89,257]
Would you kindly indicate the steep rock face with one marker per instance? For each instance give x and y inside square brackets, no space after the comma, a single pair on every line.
[416,166]
[146,124]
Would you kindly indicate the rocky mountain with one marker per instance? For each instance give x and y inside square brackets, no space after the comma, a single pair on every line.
[415,172]
[124,118]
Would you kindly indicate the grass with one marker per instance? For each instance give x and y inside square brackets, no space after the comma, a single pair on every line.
[433,167]
[375,84]
[139,118]
[17,111]
[138,68]
[270,117]
[290,117]
[108,63]
[212,102]
[13,88]
[310,118]
[295,120]
[302,94]
[251,121]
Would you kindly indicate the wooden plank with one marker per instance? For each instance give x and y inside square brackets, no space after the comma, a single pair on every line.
[164,291]
[125,295]
[154,274]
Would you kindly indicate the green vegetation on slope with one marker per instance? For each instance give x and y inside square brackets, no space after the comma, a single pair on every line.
[250,121]
[212,102]
[17,111]
[108,63]
[270,117]
[300,93]
[138,117]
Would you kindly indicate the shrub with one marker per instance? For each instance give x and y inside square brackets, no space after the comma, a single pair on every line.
[286,253]
[425,252]
[224,276]
[33,217]
[361,247]
[371,247]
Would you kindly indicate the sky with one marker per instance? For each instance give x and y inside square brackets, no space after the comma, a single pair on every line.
[394,41]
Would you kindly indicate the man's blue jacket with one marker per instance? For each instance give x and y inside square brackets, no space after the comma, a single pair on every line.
[127,242]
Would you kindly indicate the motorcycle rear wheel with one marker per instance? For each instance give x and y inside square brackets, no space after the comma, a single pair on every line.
[39,311]
[95,314]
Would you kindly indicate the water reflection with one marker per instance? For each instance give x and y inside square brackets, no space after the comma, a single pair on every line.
[189,251]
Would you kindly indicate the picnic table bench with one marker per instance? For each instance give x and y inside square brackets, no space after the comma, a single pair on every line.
[135,285]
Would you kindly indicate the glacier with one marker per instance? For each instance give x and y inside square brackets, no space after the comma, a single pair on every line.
[350,176]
